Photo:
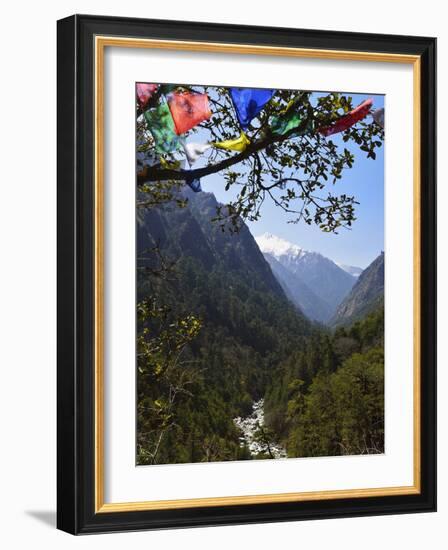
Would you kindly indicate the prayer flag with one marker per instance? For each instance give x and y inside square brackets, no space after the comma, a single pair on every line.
[248,103]
[282,124]
[194,183]
[378,117]
[161,125]
[194,150]
[238,144]
[145,92]
[348,120]
[188,110]
[288,120]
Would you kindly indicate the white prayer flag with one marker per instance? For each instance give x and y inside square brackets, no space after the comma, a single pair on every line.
[194,150]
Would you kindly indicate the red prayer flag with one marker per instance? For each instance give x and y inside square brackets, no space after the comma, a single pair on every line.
[188,109]
[348,120]
[144,93]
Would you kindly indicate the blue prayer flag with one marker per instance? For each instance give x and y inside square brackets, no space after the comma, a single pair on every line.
[194,183]
[249,102]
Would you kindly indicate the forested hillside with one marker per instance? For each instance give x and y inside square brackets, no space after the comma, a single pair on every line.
[213,325]
[366,296]
[328,397]
[218,339]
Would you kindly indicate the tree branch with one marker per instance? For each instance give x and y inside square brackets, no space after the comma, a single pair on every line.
[155,173]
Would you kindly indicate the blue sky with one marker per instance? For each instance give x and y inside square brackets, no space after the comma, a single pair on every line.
[358,246]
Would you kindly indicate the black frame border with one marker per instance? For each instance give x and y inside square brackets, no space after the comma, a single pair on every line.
[75,295]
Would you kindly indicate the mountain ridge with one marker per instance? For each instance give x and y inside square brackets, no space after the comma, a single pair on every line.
[316,284]
[353,270]
[366,295]
[298,292]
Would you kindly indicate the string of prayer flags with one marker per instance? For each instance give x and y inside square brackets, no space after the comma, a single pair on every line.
[348,120]
[194,150]
[248,103]
[161,125]
[144,93]
[188,110]
[378,116]
[239,144]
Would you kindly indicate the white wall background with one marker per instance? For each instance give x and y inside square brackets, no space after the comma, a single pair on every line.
[27,274]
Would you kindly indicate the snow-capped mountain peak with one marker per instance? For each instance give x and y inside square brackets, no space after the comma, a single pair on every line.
[315,282]
[277,247]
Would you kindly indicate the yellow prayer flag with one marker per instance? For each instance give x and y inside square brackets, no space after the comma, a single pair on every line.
[238,144]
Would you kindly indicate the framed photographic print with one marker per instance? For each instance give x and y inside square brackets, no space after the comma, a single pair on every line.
[246,274]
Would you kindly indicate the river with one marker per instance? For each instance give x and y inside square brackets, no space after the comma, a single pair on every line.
[252,427]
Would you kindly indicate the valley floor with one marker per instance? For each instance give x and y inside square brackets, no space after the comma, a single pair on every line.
[255,436]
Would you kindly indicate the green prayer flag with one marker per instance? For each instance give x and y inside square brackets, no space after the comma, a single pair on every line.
[289,120]
[161,125]
[282,124]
